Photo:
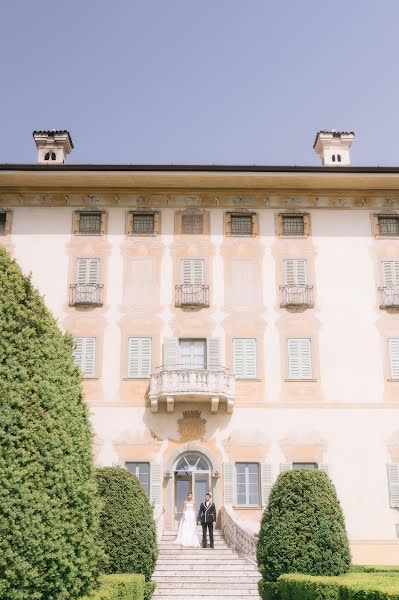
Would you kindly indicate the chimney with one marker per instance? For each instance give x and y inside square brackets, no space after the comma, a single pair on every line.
[53,146]
[333,147]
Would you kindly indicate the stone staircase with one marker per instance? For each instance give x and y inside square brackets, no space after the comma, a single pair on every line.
[199,573]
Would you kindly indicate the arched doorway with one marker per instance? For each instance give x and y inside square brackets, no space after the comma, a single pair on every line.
[192,473]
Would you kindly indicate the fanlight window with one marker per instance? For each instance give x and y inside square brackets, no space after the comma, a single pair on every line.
[192,462]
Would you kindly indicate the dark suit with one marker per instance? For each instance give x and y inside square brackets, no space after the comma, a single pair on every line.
[207,517]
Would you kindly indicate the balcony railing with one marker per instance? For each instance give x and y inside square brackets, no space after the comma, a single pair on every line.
[192,295]
[87,294]
[185,384]
[296,296]
[390,296]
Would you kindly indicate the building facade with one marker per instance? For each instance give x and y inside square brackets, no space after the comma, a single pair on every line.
[230,322]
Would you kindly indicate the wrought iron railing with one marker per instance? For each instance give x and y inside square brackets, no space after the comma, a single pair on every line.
[390,296]
[296,296]
[192,295]
[86,294]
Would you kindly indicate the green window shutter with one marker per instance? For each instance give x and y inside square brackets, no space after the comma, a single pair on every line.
[155,483]
[139,357]
[87,270]
[390,272]
[228,483]
[299,358]
[171,352]
[85,354]
[393,482]
[192,271]
[285,467]
[213,352]
[244,357]
[266,482]
[295,271]
[394,357]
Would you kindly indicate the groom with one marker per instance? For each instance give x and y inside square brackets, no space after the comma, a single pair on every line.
[207,517]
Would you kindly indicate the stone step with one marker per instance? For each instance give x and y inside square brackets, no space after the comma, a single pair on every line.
[197,597]
[206,585]
[167,570]
[206,578]
[188,594]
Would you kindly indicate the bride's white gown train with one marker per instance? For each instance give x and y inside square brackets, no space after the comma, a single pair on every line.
[187,533]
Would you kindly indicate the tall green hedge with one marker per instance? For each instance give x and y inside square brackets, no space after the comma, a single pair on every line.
[119,587]
[127,527]
[302,530]
[48,503]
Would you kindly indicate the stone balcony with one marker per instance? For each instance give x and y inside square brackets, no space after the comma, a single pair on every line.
[181,384]
[390,297]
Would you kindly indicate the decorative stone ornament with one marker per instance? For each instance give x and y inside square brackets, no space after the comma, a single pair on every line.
[191,426]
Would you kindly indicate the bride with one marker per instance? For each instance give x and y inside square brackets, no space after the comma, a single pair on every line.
[187,533]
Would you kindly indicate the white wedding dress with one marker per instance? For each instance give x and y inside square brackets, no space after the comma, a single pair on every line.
[187,533]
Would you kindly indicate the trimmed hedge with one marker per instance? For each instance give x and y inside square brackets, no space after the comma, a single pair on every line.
[49,507]
[120,587]
[302,530]
[353,586]
[127,528]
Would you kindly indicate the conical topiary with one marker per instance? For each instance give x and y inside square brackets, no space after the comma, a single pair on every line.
[49,508]
[302,530]
[127,527]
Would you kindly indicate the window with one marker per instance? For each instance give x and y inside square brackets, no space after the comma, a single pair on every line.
[50,156]
[305,465]
[295,271]
[3,221]
[88,271]
[192,271]
[142,472]
[89,222]
[293,225]
[192,223]
[85,355]
[143,223]
[244,357]
[394,357]
[388,225]
[299,358]
[192,354]
[241,224]
[139,357]
[247,484]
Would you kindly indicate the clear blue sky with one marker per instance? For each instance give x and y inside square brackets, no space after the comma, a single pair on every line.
[200,81]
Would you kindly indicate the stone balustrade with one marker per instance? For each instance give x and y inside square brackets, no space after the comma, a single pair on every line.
[237,535]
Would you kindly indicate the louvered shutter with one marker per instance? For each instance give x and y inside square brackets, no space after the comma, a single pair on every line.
[285,467]
[192,271]
[139,357]
[228,483]
[155,483]
[393,482]
[88,270]
[213,352]
[244,357]
[299,358]
[266,482]
[170,352]
[85,354]
[295,271]
[394,357]
[390,271]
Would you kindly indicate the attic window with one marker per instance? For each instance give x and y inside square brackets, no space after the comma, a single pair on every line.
[192,223]
[293,225]
[389,226]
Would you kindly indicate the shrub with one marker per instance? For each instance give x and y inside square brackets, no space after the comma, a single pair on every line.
[353,586]
[119,587]
[127,527]
[302,529]
[49,508]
